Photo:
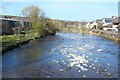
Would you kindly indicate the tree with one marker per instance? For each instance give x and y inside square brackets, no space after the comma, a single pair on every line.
[34,14]
[41,25]
[51,26]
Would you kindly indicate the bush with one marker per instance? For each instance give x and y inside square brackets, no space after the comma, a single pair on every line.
[38,28]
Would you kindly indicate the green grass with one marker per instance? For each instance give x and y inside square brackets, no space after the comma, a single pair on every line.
[115,39]
[13,40]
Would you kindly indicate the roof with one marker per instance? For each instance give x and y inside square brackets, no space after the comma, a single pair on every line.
[108,19]
[108,25]
[9,19]
[99,20]
[7,16]
[116,20]
[91,22]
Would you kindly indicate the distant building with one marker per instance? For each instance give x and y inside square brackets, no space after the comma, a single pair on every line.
[107,21]
[94,24]
[111,24]
[89,25]
[11,25]
[99,21]
[114,17]
[116,23]
[9,17]
[72,24]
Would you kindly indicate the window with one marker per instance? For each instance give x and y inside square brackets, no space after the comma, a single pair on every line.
[108,21]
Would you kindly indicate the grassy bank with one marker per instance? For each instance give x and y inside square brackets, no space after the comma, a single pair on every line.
[115,39]
[12,41]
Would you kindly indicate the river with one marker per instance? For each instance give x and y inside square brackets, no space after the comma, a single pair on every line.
[64,55]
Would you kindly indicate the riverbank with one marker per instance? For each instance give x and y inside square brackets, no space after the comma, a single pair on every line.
[13,41]
[106,34]
[114,36]
[109,36]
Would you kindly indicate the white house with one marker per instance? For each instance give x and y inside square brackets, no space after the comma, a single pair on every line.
[105,24]
[93,24]
[88,25]
[106,21]
[116,23]
[111,23]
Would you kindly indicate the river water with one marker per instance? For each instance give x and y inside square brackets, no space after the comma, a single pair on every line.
[64,55]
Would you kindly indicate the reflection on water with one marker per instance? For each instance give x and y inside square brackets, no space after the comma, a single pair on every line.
[70,55]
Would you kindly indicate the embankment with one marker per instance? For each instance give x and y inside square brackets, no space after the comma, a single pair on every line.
[13,41]
[112,35]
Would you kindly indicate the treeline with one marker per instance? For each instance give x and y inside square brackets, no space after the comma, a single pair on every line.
[36,25]
[41,25]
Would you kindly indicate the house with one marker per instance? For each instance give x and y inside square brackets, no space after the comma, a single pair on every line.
[111,24]
[14,26]
[114,17]
[10,26]
[79,25]
[90,25]
[107,27]
[107,21]
[94,24]
[116,23]
[99,21]
[9,17]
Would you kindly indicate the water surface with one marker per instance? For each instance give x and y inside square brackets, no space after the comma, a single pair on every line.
[68,55]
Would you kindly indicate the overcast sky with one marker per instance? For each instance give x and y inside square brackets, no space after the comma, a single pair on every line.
[76,10]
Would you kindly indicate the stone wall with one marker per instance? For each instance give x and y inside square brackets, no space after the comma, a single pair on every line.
[107,33]
[10,27]
[6,30]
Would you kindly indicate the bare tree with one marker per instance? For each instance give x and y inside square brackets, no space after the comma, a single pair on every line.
[34,14]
